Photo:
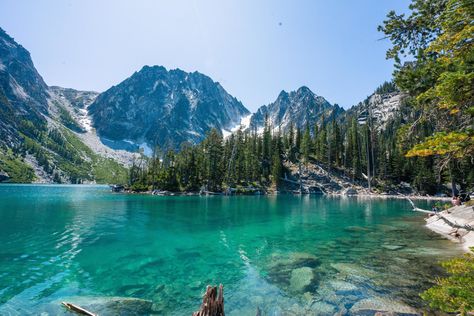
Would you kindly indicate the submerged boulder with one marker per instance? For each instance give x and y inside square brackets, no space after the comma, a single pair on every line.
[354,271]
[342,287]
[356,229]
[294,260]
[284,267]
[322,308]
[301,279]
[381,305]
[393,247]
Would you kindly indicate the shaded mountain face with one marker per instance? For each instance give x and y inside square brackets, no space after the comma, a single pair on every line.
[164,108]
[23,93]
[298,107]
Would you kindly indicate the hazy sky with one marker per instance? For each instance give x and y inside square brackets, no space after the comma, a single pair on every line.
[254,48]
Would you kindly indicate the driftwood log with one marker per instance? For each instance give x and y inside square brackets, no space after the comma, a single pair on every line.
[212,302]
[78,309]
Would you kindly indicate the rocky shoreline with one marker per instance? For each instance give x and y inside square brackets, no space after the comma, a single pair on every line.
[260,192]
[456,224]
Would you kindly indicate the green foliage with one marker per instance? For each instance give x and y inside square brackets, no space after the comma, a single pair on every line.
[277,166]
[245,157]
[67,120]
[306,144]
[386,87]
[438,34]
[59,151]
[443,143]
[18,170]
[455,293]
[90,165]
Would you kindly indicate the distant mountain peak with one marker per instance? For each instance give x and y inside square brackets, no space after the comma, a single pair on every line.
[296,108]
[165,107]
[304,90]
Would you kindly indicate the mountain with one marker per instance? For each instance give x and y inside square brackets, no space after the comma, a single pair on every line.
[55,134]
[23,93]
[298,107]
[41,127]
[165,108]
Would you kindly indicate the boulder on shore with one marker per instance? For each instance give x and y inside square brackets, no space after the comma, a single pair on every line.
[350,191]
[4,176]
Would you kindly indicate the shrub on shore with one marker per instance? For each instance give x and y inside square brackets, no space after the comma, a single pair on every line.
[454,293]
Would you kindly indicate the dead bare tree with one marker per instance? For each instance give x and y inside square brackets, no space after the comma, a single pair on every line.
[212,302]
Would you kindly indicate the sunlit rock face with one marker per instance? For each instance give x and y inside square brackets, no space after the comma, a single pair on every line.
[298,107]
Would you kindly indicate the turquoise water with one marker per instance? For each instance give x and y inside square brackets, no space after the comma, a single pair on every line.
[283,254]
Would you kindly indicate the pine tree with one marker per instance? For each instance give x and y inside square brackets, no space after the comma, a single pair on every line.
[323,144]
[266,150]
[214,164]
[336,142]
[306,145]
[277,165]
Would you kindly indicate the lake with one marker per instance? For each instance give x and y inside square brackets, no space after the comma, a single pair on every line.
[287,255]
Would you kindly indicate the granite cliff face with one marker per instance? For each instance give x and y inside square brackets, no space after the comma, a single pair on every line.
[164,108]
[383,106]
[23,93]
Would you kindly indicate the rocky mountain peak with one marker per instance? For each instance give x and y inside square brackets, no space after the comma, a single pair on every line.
[19,80]
[161,107]
[304,90]
[298,107]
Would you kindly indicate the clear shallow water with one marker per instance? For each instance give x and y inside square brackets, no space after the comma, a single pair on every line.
[283,254]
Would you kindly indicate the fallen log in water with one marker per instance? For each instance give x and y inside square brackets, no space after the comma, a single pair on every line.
[212,302]
[415,208]
[78,309]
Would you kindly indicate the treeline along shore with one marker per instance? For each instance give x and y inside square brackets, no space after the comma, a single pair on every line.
[330,158]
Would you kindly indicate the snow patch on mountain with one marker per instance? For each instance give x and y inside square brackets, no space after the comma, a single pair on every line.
[243,125]
[245,122]
[85,120]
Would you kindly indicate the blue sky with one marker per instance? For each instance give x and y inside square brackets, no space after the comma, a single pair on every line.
[253,48]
